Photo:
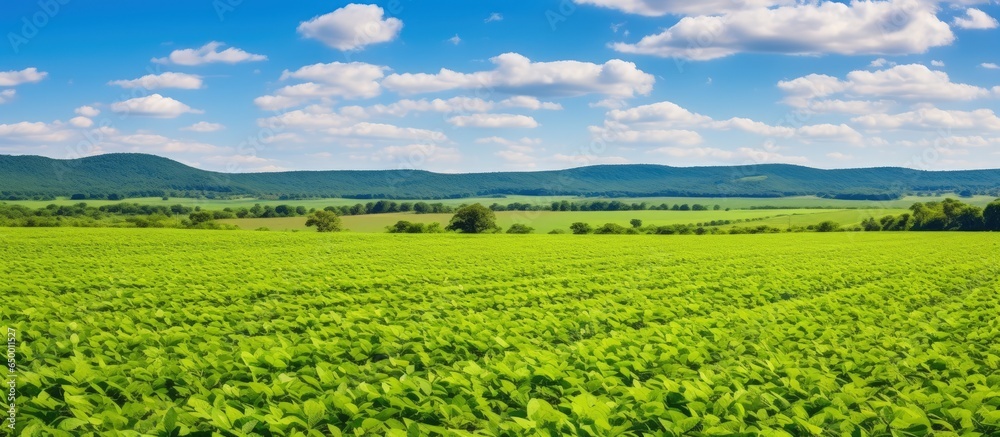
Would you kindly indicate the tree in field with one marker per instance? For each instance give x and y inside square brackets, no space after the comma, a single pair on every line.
[580,228]
[869,224]
[401,227]
[283,210]
[827,226]
[200,217]
[611,229]
[474,219]
[636,223]
[991,216]
[903,223]
[969,218]
[380,207]
[256,210]
[324,221]
[519,228]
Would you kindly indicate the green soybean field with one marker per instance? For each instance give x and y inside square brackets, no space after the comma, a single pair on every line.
[158,332]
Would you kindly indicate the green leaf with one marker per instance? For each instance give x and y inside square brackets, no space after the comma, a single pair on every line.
[991,418]
[473,369]
[72,423]
[220,419]
[371,424]
[413,430]
[325,376]
[315,410]
[524,423]
[170,420]
[334,431]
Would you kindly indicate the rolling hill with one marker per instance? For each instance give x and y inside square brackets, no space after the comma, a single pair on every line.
[134,175]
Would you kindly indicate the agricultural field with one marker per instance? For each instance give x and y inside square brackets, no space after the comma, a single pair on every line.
[784,219]
[545,221]
[179,332]
[733,202]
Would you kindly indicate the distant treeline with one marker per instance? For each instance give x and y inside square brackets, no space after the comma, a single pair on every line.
[183,194]
[390,206]
[616,205]
[601,205]
[580,228]
[118,215]
[946,215]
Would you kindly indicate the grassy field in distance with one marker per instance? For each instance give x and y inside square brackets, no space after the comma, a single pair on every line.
[845,217]
[734,202]
[545,221]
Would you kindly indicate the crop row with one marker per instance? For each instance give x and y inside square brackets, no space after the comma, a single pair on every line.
[178,333]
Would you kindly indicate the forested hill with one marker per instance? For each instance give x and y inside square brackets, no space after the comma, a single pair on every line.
[134,175]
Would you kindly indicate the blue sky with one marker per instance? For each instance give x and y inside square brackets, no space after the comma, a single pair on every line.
[458,86]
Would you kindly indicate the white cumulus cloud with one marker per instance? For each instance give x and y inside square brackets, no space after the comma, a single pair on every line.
[204,126]
[405,107]
[182,81]
[352,27]
[81,122]
[808,28]
[657,8]
[976,19]
[528,102]
[144,142]
[311,118]
[836,106]
[35,132]
[624,134]
[909,82]
[932,118]
[667,122]
[459,104]
[386,132]
[209,54]
[15,78]
[355,80]
[516,74]
[493,121]
[88,111]
[153,105]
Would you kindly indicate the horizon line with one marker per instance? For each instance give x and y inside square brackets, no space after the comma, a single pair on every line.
[28,155]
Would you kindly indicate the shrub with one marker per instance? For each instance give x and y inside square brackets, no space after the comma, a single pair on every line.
[519,228]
